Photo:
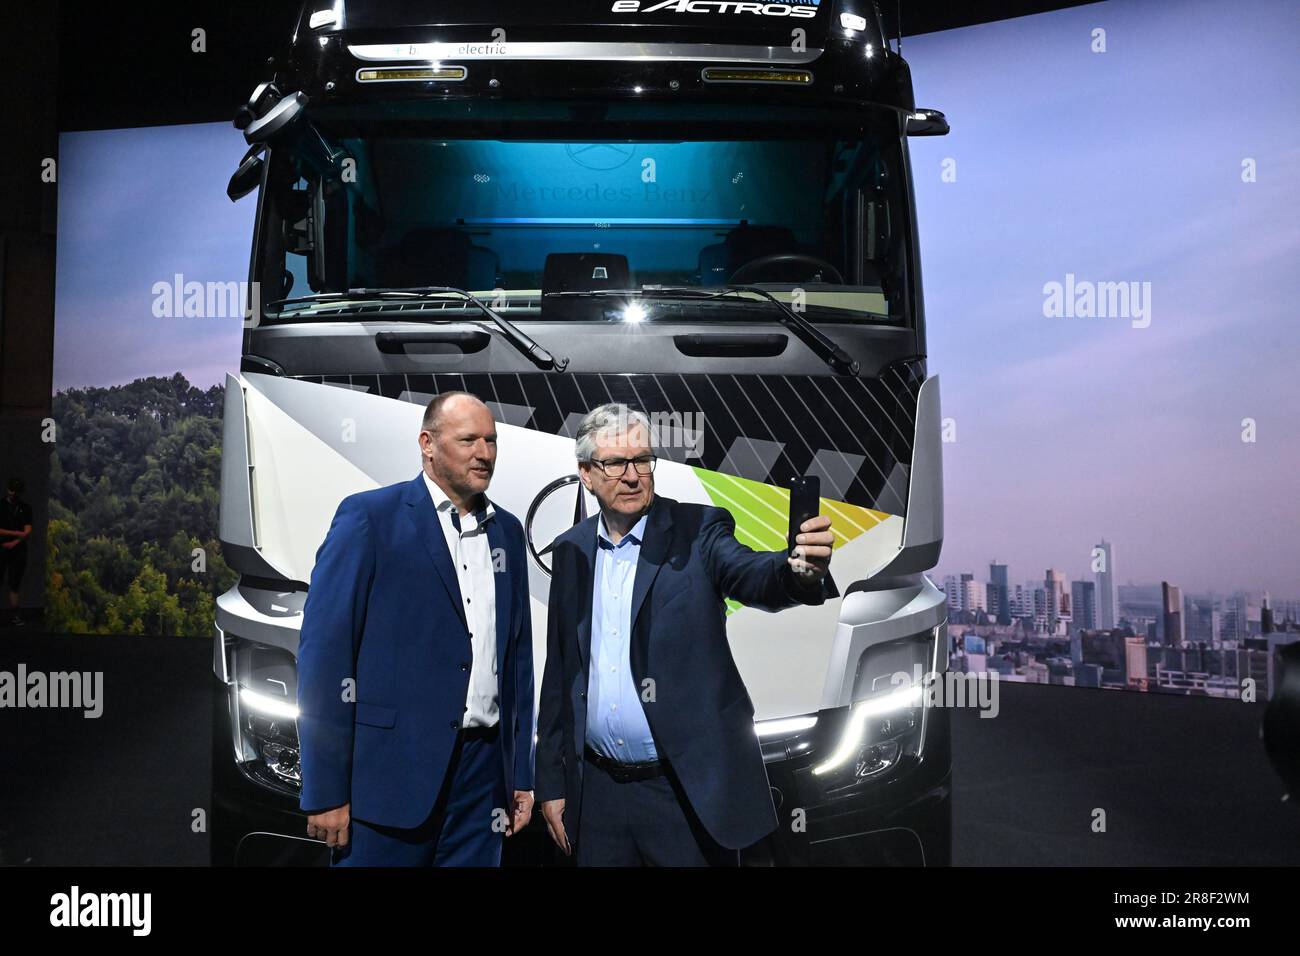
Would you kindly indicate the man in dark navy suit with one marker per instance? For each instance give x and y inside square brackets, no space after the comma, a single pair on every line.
[415,663]
[646,751]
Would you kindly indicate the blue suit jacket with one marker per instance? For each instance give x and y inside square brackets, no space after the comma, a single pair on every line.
[701,717]
[385,609]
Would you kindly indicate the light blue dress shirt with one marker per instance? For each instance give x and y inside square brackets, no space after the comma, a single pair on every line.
[616,724]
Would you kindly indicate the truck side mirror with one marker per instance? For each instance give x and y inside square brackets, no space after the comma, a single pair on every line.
[249,174]
[263,97]
[278,122]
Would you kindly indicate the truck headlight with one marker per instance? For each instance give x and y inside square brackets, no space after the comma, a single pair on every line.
[886,723]
[273,743]
[264,712]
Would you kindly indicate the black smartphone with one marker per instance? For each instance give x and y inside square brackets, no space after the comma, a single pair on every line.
[805,493]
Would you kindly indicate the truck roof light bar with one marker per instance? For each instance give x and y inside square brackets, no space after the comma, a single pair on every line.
[404,74]
[329,17]
[712,74]
[927,123]
[583,50]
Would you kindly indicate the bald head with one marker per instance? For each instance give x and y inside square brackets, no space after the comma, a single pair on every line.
[457,401]
[458,442]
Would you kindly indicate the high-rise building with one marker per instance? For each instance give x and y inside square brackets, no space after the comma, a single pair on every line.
[1135,663]
[972,594]
[1039,599]
[1204,619]
[1285,612]
[1238,614]
[999,593]
[1058,609]
[1172,599]
[1107,606]
[1083,605]
[1022,601]
[952,591]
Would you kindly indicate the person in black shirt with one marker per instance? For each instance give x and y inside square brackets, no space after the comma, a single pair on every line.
[15,527]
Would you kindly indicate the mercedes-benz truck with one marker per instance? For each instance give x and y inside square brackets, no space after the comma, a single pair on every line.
[700,208]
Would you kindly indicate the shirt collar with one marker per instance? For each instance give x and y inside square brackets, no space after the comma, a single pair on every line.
[444,504]
[636,534]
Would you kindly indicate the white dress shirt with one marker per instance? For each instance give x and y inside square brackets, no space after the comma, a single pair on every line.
[472,558]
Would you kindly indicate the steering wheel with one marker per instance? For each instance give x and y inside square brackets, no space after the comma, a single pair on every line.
[780,263]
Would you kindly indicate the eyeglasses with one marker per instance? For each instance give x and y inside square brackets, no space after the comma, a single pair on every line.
[617,467]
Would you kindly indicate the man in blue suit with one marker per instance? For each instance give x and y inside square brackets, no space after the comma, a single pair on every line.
[415,664]
[646,751]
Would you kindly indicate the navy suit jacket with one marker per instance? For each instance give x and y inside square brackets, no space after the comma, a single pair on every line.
[701,717]
[385,609]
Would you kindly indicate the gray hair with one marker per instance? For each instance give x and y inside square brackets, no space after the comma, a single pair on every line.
[610,417]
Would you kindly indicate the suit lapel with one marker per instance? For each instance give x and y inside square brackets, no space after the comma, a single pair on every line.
[654,552]
[501,577]
[587,589]
[424,516]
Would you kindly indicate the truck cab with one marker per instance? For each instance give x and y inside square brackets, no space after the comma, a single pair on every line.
[700,208]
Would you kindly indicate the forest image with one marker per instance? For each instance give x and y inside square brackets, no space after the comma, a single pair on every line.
[134,491]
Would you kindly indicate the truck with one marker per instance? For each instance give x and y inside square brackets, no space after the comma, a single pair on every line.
[702,209]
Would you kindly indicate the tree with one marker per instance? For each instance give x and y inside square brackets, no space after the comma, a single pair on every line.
[134,487]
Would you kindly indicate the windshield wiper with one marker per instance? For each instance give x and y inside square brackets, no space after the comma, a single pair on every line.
[520,340]
[832,354]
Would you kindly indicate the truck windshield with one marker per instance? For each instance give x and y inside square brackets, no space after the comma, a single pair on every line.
[813,212]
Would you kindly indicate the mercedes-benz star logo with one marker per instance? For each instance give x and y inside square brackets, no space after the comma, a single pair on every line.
[602,156]
[542,557]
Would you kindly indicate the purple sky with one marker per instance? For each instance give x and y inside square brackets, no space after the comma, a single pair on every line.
[136,207]
[1115,166]
[1123,165]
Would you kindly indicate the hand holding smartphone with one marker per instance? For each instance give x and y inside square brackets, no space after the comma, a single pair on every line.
[805,503]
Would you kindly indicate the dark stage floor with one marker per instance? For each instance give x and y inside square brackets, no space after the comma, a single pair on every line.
[1183,781]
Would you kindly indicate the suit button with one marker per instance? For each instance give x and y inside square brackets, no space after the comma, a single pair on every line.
[582,694]
[455,725]
[464,666]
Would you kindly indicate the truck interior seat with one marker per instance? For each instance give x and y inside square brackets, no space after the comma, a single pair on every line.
[434,256]
[743,244]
